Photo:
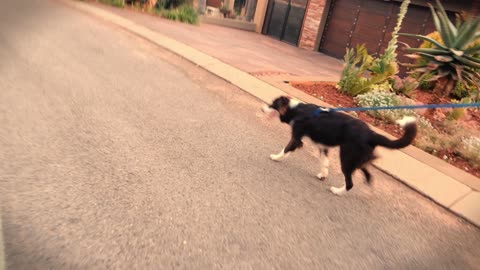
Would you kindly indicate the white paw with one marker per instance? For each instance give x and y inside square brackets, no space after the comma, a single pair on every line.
[338,191]
[280,156]
[275,157]
[323,175]
[406,120]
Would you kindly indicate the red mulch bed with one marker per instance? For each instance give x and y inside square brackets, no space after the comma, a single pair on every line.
[327,92]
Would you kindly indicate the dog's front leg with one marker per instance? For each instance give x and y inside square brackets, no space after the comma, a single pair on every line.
[291,146]
[280,156]
[324,163]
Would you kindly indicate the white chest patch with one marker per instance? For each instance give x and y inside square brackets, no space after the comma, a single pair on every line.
[293,103]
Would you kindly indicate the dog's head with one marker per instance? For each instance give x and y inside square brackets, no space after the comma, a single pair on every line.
[280,107]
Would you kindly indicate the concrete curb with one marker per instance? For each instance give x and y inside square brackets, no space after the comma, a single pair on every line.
[433,183]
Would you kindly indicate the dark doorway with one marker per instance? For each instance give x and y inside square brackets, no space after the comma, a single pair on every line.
[286,20]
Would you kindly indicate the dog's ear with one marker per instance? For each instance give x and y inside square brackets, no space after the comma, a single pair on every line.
[284,102]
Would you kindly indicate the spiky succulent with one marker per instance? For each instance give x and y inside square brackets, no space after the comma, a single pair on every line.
[454,59]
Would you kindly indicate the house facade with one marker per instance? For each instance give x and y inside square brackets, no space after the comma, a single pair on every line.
[330,26]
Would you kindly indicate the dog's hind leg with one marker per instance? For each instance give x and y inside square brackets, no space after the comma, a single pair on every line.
[350,159]
[347,186]
[367,174]
[324,163]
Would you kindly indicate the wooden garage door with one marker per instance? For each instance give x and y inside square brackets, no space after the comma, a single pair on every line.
[352,22]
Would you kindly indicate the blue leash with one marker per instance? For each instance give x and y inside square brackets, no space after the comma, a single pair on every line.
[378,108]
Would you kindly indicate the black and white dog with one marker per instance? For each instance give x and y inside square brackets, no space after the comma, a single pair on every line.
[328,129]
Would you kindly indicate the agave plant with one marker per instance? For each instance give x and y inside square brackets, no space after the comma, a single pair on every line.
[451,61]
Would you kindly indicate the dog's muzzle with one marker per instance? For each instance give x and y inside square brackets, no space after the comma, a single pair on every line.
[271,113]
[266,109]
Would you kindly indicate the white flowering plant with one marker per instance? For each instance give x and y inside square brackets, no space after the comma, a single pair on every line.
[382,99]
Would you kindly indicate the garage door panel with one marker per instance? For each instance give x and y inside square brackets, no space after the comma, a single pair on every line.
[416,14]
[369,33]
[294,24]
[376,21]
[339,38]
[374,40]
[286,20]
[371,47]
[335,50]
[346,4]
[279,14]
[346,14]
[376,6]
[412,27]
[410,41]
[408,26]
[343,26]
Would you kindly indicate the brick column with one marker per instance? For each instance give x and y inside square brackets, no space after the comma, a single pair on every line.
[311,24]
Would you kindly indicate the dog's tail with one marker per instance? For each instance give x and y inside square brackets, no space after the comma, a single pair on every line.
[409,125]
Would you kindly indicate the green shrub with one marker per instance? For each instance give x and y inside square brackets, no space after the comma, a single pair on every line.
[352,81]
[456,114]
[171,14]
[187,14]
[169,4]
[184,13]
[425,83]
[116,3]
[461,90]
[404,86]
[385,86]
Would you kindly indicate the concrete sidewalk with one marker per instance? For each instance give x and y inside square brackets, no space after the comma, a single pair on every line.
[235,55]
[250,52]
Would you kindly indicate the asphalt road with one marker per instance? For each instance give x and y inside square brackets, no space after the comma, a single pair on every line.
[118,155]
